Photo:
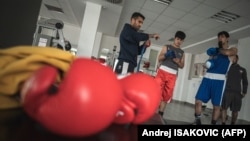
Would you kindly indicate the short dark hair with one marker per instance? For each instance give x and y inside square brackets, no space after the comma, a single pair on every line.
[136,15]
[180,34]
[237,57]
[223,33]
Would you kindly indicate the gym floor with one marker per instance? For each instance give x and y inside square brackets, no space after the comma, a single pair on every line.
[181,113]
[16,126]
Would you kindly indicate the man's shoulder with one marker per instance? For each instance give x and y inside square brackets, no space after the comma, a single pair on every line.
[243,68]
[126,26]
[127,30]
[232,47]
[240,67]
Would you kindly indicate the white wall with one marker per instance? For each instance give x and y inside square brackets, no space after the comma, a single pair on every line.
[243,52]
[71,33]
[109,42]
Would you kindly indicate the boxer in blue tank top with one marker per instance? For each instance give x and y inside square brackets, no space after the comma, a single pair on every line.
[213,83]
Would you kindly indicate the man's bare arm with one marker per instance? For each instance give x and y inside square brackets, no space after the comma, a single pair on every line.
[161,56]
[180,62]
[229,52]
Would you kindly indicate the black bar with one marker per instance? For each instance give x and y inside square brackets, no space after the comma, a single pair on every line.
[175,132]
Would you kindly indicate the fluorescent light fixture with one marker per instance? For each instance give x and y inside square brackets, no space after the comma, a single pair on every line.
[225,17]
[166,2]
[115,1]
[54,8]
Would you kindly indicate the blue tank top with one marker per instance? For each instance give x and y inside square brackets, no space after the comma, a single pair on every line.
[221,64]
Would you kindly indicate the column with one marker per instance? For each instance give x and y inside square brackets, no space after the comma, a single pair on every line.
[88,30]
[97,44]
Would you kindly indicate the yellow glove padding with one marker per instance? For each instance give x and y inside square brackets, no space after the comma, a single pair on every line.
[18,63]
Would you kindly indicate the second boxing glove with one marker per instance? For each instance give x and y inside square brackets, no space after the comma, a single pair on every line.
[170,54]
[142,96]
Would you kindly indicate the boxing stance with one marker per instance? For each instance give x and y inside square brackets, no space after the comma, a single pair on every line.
[171,58]
[213,82]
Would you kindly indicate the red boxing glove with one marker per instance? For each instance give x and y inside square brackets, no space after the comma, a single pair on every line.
[84,103]
[126,113]
[147,43]
[142,97]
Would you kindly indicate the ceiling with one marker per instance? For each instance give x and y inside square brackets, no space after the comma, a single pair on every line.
[191,16]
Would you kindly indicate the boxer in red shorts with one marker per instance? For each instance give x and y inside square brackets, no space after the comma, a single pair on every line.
[171,58]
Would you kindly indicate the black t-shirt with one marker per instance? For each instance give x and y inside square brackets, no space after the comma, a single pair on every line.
[237,79]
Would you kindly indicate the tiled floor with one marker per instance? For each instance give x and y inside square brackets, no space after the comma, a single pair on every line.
[183,113]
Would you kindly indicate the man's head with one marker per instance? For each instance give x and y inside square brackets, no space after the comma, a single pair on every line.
[223,33]
[179,38]
[180,34]
[223,38]
[235,59]
[137,20]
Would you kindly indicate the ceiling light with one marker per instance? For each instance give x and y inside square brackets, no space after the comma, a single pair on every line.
[54,8]
[166,2]
[225,17]
[115,1]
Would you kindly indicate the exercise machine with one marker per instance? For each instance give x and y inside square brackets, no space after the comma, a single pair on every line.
[49,33]
[109,56]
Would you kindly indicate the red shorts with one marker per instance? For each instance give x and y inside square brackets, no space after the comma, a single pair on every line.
[167,82]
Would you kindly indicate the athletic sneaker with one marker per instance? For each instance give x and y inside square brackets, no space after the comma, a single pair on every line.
[197,122]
